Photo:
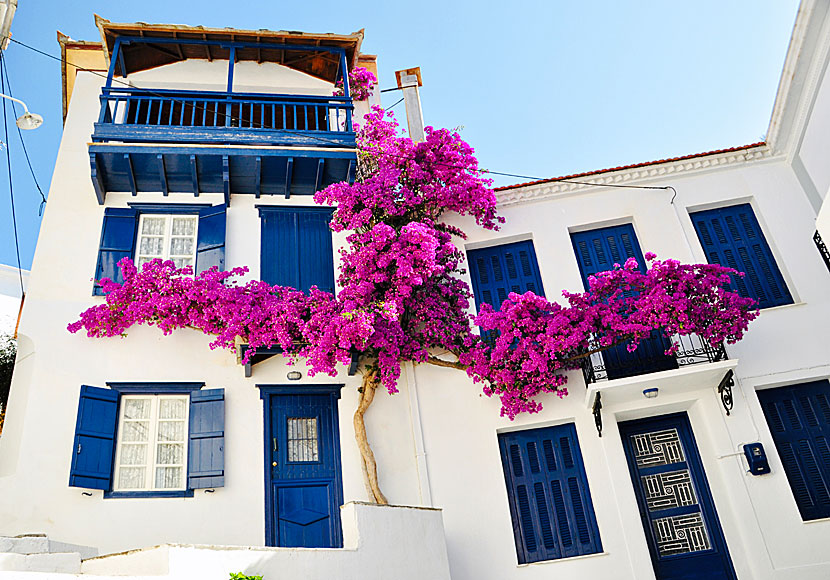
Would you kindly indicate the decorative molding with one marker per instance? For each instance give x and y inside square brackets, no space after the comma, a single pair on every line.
[542,191]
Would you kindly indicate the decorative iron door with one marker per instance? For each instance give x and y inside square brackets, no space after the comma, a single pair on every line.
[303,487]
[681,526]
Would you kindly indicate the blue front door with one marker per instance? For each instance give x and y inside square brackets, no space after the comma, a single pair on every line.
[682,528]
[303,484]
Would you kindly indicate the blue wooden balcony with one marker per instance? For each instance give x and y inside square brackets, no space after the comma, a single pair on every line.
[151,140]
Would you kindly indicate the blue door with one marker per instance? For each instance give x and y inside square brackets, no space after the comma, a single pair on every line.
[304,491]
[598,251]
[682,529]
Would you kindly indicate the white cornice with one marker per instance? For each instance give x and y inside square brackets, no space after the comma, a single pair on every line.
[646,175]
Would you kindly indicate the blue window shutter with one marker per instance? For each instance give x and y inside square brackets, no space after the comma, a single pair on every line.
[94,445]
[598,250]
[206,464]
[498,270]
[316,253]
[799,420]
[550,503]
[210,247]
[117,241]
[297,248]
[731,237]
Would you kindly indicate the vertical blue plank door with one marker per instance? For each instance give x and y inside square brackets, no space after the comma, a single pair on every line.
[597,251]
[304,479]
[682,528]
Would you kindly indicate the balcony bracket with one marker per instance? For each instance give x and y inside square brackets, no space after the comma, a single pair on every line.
[597,411]
[725,391]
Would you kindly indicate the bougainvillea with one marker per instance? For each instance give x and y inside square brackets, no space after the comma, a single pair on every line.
[361,84]
[402,294]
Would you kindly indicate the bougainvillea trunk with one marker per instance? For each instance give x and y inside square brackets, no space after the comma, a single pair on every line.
[368,464]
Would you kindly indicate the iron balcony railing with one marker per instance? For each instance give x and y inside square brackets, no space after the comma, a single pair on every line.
[605,365]
[158,115]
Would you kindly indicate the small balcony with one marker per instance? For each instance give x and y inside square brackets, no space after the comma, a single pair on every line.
[214,142]
[650,357]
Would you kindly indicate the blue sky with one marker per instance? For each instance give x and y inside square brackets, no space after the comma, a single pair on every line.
[540,88]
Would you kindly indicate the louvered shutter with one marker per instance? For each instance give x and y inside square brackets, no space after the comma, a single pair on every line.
[94,444]
[296,247]
[206,463]
[731,237]
[550,503]
[799,420]
[210,247]
[117,241]
[597,251]
[498,270]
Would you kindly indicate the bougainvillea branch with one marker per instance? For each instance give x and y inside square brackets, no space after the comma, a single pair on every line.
[402,296]
[361,84]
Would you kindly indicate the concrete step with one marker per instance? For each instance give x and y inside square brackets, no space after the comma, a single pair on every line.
[58,562]
[41,544]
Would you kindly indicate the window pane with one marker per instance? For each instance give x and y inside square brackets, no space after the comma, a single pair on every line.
[172,408]
[171,431]
[184,226]
[151,246]
[153,225]
[131,478]
[181,246]
[132,454]
[135,431]
[168,477]
[170,454]
[302,439]
[136,408]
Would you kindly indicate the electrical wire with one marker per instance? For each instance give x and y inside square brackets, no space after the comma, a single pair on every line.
[395,105]
[4,70]
[11,186]
[332,142]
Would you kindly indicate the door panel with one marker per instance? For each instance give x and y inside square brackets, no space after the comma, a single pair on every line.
[682,529]
[304,482]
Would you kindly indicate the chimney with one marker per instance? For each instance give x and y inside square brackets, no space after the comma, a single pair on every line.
[408,81]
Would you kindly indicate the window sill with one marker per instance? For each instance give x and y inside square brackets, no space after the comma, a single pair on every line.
[146,494]
[782,307]
[566,559]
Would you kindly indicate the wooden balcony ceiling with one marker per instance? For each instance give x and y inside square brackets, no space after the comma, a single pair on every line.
[143,56]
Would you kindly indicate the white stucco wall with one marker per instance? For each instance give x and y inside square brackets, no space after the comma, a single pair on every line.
[436,441]
[10,296]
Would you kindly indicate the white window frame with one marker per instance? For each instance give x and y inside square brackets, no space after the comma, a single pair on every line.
[167,237]
[150,465]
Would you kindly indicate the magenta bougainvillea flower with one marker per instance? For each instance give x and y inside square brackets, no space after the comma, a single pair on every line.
[402,295]
[361,84]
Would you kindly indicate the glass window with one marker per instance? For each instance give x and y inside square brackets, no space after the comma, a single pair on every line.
[152,443]
[169,237]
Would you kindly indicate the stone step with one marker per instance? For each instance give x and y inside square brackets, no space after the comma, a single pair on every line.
[41,544]
[57,562]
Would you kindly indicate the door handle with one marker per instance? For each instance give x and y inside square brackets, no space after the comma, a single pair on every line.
[274,439]
[273,464]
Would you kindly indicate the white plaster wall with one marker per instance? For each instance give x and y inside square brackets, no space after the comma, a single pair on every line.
[10,296]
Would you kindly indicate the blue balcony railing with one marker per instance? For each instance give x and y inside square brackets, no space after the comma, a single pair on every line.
[175,116]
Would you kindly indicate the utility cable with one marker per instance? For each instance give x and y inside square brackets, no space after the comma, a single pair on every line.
[331,141]
[11,186]
[4,70]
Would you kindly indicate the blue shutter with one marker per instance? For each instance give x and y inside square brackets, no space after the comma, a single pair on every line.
[498,270]
[550,503]
[210,247]
[206,463]
[296,248]
[731,237]
[799,420]
[94,445]
[597,251]
[117,241]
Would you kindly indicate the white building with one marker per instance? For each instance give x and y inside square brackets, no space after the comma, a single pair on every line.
[10,295]
[667,490]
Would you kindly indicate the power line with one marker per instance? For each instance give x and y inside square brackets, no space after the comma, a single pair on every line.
[4,70]
[9,165]
[393,106]
[332,142]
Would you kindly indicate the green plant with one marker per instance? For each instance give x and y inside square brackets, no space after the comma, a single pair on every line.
[242,576]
